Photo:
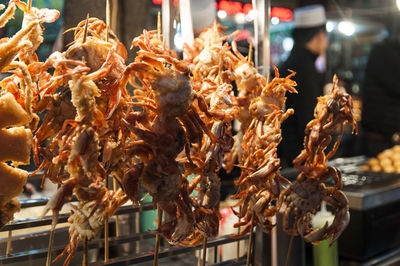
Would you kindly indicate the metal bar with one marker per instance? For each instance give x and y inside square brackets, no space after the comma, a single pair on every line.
[167,17]
[231,262]
[169,252]
[96,243]
[33,222]
[34,202]
[186,21]
[262,250]
[261,34]
[215,254]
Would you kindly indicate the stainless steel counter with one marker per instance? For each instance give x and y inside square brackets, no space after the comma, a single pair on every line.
[366,198]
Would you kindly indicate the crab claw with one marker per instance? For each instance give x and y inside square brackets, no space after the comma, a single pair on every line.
[130,183]
[57,201]
[342,216]
[340,225]
[317,234]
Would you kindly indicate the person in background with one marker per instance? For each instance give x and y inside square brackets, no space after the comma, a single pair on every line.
[381,98]
[310,43]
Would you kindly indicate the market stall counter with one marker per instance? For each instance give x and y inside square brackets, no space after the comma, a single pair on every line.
[373,232]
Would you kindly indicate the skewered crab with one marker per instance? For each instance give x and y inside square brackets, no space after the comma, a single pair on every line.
[169,124]
[260,182]
[304,196]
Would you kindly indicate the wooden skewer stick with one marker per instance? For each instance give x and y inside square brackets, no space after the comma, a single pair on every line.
[250,241]
[114,16]
[51,239]
[107,18]
[145,197]
[116,216]
[106,227]
[204,251]
[159,25]
[85,253]
[106,233]
[289,250]
[199,258]
[250,52]
[157,248]
[85,33]
[29,4]
[8,249]
[238,242]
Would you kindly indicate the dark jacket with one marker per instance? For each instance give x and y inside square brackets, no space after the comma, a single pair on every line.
[381,91]
[309,87]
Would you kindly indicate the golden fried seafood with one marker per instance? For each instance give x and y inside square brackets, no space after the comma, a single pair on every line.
[304,196]
[260,182]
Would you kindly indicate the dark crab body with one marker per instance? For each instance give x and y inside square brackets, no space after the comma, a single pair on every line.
[304,196]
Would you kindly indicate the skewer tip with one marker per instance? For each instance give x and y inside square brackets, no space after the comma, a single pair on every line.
[85,33]
[159,25]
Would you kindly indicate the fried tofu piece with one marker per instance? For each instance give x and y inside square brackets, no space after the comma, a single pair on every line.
[12,180]
[15,145]
[11,113]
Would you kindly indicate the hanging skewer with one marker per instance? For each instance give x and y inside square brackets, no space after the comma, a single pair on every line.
[199,258]
[249,57]
[106,227]
[250,241]
[85,253]
[289,251]
[159,25]
[157,248]
[8,249]
[116,216]
[238,242]
[86,29]
[106,232]
[107,18]
[114,15]
[51,239]
[204,251]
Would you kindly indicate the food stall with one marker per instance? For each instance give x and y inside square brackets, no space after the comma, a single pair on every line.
[168,153]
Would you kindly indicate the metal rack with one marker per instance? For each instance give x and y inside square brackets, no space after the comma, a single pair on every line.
[32,255]
[35,254]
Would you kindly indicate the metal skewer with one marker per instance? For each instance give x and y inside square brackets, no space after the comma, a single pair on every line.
[157,248]
[250,241]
